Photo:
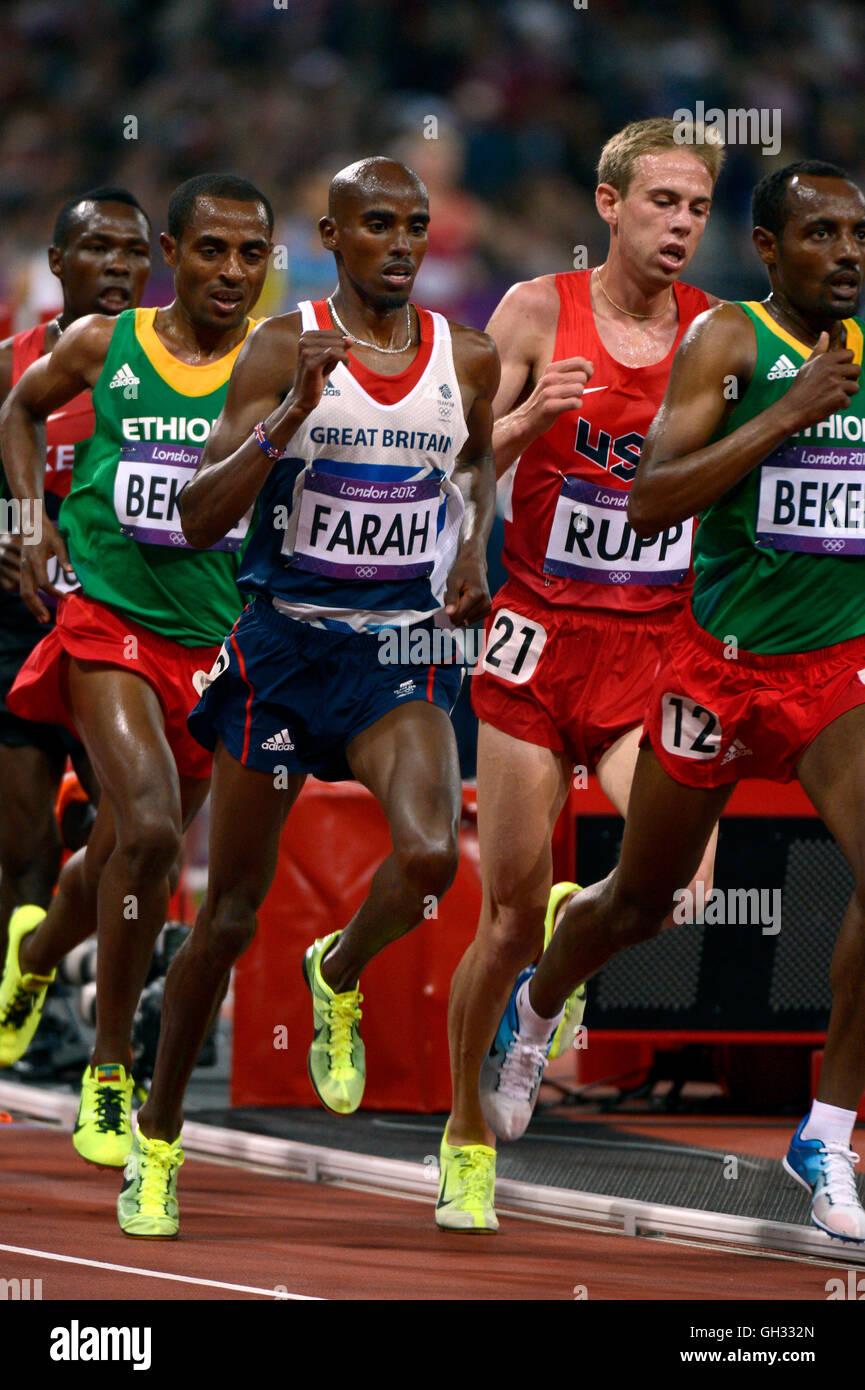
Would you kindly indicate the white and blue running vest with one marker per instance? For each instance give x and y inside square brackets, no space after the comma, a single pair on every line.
[358,524]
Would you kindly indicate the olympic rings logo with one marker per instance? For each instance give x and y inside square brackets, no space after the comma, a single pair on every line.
[177,538]
[833,544]
[620,576]
[367,571]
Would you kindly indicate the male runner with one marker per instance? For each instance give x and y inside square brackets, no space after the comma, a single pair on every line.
[575,633]
[776,471]
[361,429]
[100,253]
[120,664]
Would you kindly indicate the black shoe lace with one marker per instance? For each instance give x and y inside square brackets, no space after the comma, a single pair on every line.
[109,1109]
[20,1008]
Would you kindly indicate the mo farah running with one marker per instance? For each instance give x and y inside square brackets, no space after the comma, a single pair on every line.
[100,255]
[362,416]
[778,477]
[120,666]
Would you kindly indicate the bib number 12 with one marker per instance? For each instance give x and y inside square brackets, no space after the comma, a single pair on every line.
[688,729]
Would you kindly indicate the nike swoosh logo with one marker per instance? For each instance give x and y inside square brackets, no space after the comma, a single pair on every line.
[587,389]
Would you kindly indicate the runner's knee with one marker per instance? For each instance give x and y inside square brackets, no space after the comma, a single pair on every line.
[634,919]
[429,864]
[231,927]
[514,935]
[149,842]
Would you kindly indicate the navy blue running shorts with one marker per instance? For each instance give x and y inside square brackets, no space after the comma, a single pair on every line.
[284,695]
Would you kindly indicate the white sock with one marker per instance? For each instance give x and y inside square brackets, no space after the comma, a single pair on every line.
[830,1123]
[532,1026]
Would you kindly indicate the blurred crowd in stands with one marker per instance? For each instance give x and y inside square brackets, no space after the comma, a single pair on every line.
[520,95]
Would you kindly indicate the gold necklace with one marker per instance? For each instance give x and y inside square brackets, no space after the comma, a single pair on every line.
[630,314]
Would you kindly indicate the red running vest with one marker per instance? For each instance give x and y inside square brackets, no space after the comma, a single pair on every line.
[567,539]
[66,426]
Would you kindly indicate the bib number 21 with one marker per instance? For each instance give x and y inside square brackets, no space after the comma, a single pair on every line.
[513,647]
[689,730]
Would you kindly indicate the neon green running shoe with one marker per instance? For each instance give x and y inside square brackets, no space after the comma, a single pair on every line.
[103,1130]
[147,1202]
[575,1004]
[336,1061]
[467,1187]
[22,997]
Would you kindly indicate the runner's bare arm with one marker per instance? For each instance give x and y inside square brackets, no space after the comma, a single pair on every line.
[10,545]
[6,351]
[278,379]
[680,472]
[533,391]
[476,360]
[73,366]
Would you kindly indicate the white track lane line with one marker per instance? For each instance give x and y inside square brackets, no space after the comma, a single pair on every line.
[158,1274]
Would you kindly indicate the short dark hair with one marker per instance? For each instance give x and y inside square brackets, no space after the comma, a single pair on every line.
[769,202]
[105,194]
[181,204]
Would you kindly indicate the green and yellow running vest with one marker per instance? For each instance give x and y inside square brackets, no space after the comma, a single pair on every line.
[779,560]
[121,521]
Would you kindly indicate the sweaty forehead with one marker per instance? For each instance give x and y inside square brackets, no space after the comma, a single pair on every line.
[222,216]
[397,193]
[90,218]
[809,196]
[674,169]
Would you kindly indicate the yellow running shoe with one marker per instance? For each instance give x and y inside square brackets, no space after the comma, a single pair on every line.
[147,1202]
[467,1187]
[575,1004]
[21,996]
[103,1130]
[336,1061]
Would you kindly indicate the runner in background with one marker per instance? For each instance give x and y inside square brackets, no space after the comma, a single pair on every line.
[100,255]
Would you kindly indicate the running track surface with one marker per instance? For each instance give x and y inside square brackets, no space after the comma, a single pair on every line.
[248,1233]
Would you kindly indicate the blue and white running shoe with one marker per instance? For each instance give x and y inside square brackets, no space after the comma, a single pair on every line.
[512,1071]
[826,1170]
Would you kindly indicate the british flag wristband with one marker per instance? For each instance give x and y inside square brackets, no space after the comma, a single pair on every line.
[264,443]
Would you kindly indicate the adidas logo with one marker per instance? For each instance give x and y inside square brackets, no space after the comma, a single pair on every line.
[782,368]
[279,743]
[331,390]
[125,377]
[737,749]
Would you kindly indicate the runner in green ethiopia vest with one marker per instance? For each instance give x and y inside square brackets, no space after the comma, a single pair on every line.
[120,520]
[130,651]
[779,560]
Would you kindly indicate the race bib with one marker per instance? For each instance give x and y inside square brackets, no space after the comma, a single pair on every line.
[591,540]
[359,528]
[513,647]
[66,583]
[148,482]
[812,498]
[202,680]
[688,729]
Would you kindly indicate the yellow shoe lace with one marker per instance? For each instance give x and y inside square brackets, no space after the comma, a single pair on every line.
[345,1014]
[476,1175]
[156,1164]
